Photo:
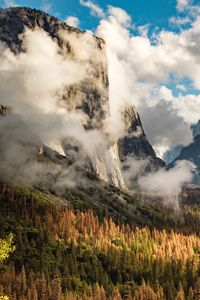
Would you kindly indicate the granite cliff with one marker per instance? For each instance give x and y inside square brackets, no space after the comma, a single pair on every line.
[90,97]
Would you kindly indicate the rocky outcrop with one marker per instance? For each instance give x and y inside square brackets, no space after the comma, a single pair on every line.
[135,143]
[90,96]
[172,154]
[191,153]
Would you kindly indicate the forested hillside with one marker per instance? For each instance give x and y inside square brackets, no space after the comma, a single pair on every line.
[63,253]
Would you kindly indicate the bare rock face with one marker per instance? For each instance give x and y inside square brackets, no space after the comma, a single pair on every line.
[90,96]
[134,142]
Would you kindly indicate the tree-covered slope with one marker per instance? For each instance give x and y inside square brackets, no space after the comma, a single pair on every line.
[63,253]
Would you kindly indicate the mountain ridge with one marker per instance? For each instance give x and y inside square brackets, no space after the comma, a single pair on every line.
[90,96]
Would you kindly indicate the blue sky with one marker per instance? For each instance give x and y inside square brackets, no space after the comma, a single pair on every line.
[154,12]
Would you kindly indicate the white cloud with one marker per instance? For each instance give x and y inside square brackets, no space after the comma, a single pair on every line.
[181,87]
[120,15]
[179,21]
[182,5]
[73,21]
[31,85]
[136,69]
[168,183]
[163,126]
[188,107]
[37,73]
[189,12]
[95,9]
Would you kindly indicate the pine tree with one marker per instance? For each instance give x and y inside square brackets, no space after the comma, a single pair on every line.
[97,292]
[34,294]
[190,294]
[181,294]
[145,292]
[116,294]
[56,289]
[42,287]
[23,280]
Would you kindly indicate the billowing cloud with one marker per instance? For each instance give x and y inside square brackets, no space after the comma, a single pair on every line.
[30,85]
[95,9]
[188,107]
[120,15]
[139,71]
[164,128]
[168,183]
[187,10]
[33,85]
[42,69]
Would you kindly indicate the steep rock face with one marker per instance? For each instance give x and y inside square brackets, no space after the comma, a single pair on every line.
[135,143]
[191,152]
[90,96]
[172,154]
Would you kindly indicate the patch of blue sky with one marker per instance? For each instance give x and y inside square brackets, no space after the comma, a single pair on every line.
[153,12]
[183,86]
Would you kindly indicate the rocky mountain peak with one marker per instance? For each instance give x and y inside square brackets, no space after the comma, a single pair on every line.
[14,20]
[90,96]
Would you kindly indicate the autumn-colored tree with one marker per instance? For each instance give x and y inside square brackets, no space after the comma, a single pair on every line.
[56,289]
[6,247]
[181,294]
[94,259]
[145,292]
[42,287]
[116,294]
